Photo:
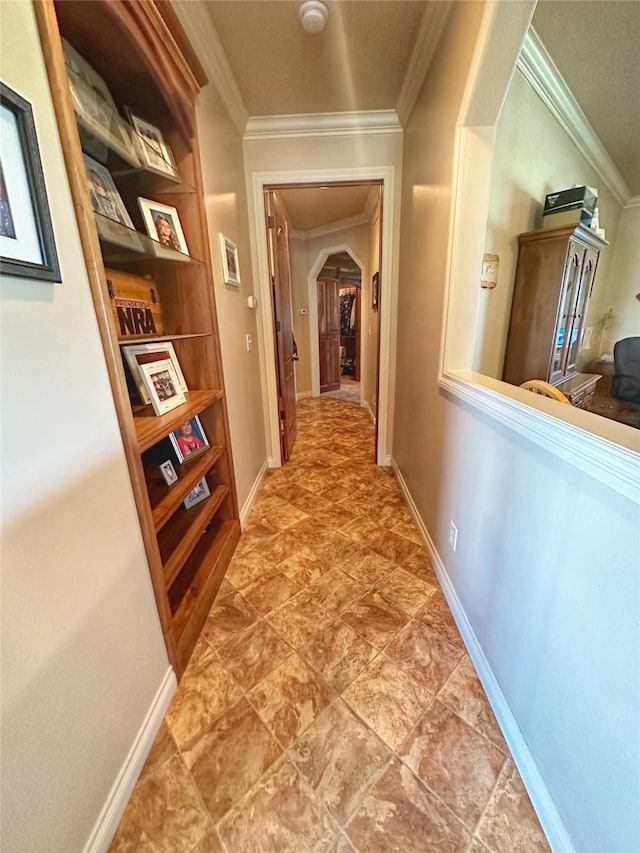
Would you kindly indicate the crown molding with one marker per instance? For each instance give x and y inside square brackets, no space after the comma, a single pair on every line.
[203,37]
[323,124]
[540,71]
[634,201]
[339,225]
[431,27]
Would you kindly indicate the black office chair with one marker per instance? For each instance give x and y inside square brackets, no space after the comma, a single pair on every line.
[625,384]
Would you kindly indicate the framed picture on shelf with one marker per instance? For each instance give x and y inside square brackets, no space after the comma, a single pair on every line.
[375,291]
[169,472]
[199,493]
[163,385]
[95,108]
[189,439]
[230,264]
[27,244]
[163,224]
[154,152]
[105,198]
[137,354]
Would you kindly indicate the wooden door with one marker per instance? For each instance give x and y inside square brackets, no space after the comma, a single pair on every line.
[329,333]
[356,371]
[278,241]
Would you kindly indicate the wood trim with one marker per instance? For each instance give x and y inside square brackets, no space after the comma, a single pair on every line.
[184,46]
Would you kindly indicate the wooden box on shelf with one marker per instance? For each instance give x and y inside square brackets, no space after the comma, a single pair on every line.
[142,55]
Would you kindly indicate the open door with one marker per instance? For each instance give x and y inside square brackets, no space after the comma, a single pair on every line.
[329,333]
[280,271]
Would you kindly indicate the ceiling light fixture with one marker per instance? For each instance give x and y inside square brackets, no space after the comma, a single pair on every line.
[313,14]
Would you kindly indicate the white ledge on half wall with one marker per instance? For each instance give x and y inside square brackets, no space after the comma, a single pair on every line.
[606,450]
[540,71]
[323,124]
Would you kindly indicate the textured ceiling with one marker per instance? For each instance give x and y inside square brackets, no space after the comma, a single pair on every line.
[596,47]
[358,62]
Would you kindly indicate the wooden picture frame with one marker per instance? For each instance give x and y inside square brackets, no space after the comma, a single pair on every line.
[154,152]
[189,439]
[230,263]
[375,291]
[27,243]
[95,108]
[163,385]
[137,354]
[163,225]
[197,494]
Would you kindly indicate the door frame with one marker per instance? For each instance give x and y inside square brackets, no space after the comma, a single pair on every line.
[312,287]
[385,175]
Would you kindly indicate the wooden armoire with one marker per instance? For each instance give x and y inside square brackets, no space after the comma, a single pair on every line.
[554,279]
[143,56]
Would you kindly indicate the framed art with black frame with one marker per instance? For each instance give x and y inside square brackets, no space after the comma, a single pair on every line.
[27,244]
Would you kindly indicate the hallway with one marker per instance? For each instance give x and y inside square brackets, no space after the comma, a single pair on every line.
[330,704]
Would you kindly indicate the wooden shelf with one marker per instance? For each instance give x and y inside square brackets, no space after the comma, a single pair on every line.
[178,539]
[147,339]
[151,428]
[166,499]
[124,247]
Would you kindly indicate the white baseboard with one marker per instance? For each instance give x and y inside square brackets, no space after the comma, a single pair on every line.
[367,406]
[302,395]
[113,809]
[246,509]
[546,809]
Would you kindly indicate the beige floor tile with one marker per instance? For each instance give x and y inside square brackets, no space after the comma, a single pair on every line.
[299,619]
[229,616]
[304,567]
[459,765]
[510,824]
[253,654]
[419,564]
[246,568]
[375,619]
[164,747]
[437,615]
[340,757]
[425,655]
[400,814]
[387,699]
[464,694]
[290,699]
[393,547]
[335,591]
[406,591]
[337,653]
[279,814]
[270,591]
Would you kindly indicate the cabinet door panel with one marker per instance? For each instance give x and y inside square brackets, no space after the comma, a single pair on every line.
[570,285]
[584,290]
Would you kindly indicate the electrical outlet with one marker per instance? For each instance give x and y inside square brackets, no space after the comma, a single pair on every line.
[453,536]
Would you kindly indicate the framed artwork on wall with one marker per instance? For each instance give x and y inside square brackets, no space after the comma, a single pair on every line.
[27,244]
[230,265]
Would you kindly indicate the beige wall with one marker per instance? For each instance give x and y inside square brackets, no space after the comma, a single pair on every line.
[533,156]
[624,281]
[226,206]
[545,570]
[82,650]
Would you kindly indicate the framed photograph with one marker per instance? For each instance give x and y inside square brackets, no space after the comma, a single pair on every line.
[95,108]
[189,439]
[27,244]
[199,493]
[137,354]
[230,265]
[169,472]
[163,224]
[154,152]
[105,198]
[163,385]
[375,291]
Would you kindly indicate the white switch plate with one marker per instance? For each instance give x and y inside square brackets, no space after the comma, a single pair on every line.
[249,340]
[252,301]
[453,536]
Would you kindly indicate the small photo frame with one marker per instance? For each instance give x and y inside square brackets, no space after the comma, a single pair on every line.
[27,244]
[197,494]
[230,264]
[137,354]
[163,225]
[375,291]
[154,152]
[163,385]
[168,472]
[95,108]
[189,439]
[105,198]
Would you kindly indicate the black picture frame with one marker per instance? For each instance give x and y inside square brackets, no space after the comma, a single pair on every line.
[375,291]
[20,156]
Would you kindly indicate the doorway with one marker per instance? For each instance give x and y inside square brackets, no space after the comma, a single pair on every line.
[383,180]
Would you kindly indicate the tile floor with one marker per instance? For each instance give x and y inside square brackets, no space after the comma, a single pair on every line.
[330,704]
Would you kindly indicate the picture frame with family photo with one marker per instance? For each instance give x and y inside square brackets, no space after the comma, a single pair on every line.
[189,439]
[162,223]
[155,154]
[163,385]
[138,354]
[199,493]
